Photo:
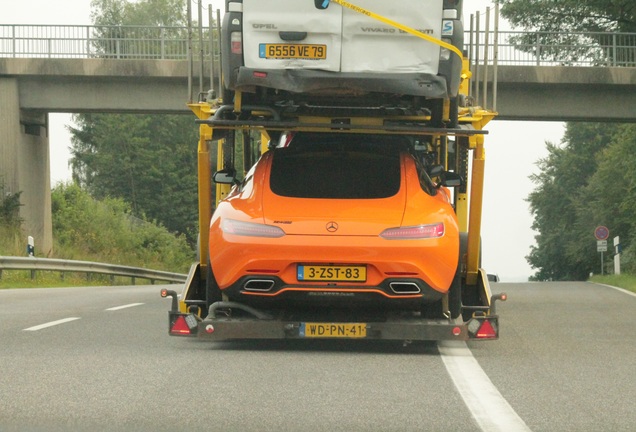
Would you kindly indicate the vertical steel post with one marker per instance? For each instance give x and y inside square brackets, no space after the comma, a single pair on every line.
[205,192]
[471,54]
[212,62]
[495,59]
[476,200]
[218,38]
[190,65]
[162,32]
[602,269]
[477,60]
[88,42]
[486,49]
[200,17]
[538,49]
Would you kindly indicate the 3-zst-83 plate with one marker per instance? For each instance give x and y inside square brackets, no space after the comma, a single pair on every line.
[332,273]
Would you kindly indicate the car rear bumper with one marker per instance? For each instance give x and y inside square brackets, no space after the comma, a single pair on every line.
[268,290]
[426,267]
[309,81]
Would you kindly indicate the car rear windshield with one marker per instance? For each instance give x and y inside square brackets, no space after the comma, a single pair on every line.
[338,166]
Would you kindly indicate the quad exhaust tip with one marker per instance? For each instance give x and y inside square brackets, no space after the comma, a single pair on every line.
[405,288]
[259,285]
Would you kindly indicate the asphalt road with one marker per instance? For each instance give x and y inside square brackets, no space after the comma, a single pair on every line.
[565,361]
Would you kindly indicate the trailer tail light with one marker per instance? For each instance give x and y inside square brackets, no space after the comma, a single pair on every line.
[414,232]
[180,326]
[236,43]
[486,331]
[445,53]
[184,325]
[483,328]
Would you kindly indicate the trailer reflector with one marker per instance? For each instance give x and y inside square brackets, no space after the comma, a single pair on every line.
[180,326]
[486,331]
[183,325]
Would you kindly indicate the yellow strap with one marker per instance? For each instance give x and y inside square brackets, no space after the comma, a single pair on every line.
[400,26]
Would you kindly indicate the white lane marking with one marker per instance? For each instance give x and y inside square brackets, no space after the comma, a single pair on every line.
[488,407]
[116,308]
[624,291]
[51,324]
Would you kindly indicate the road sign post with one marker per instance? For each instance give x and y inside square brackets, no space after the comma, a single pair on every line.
[602,234]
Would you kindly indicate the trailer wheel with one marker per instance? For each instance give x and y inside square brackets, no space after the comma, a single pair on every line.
[435,310]
[455,294]
[469,294]
[212,290]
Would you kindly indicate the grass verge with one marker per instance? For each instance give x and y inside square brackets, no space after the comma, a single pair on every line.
[625,281]
[50,279]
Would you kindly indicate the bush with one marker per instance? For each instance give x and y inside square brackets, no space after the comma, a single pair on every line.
[10,223]
[104,231]
[628,260]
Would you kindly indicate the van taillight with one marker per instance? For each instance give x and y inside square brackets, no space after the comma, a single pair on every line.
[236,43]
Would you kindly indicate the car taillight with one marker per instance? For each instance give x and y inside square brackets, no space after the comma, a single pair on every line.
[414,232]
[231,226]
[444,53]
[236,43]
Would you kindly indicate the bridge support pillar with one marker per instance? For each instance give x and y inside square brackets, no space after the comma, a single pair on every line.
[24,164]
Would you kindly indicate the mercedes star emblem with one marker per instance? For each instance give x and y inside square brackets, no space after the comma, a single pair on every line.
[332,227]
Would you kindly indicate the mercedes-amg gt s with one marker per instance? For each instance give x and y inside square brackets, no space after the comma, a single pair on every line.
[340,220]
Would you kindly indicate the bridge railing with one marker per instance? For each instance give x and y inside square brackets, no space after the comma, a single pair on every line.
[592,49]
[119,42]
[143,42]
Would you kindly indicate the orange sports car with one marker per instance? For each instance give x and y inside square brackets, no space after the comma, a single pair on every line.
[341,221]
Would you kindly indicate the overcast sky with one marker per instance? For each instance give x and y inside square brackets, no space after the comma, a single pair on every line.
[512,148]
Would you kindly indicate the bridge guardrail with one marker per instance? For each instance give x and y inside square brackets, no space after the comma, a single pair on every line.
[587,49]
[71,266]
[171,43]
[117,42]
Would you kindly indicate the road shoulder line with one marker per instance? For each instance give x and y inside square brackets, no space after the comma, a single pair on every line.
[624,291]
[488,407]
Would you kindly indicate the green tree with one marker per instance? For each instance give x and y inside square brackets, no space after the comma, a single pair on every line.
[555,203]
[610,196]
[571,15]
[165,13]
[589,180]
[147,160]
[10,222]
[577,24]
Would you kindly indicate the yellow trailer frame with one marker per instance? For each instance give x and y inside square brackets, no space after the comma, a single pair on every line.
[469,135]
[216,122]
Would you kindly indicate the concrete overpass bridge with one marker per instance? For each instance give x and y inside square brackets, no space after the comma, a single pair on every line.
[76,69]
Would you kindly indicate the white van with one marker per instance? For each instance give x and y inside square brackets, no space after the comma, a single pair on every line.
[281,50]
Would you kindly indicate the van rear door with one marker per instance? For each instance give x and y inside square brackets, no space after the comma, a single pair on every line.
[291,34]
[369,45]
